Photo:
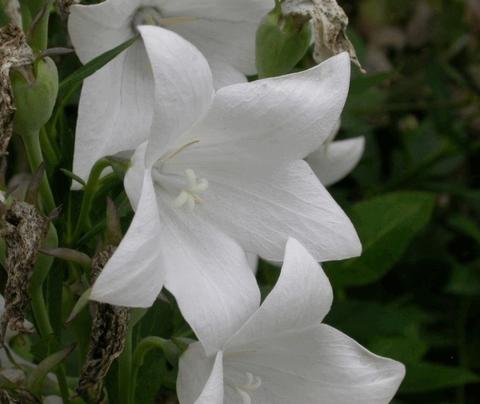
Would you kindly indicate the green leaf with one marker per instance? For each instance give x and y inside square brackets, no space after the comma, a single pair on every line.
[73,176]
[386,225]
[465,279]
[95,64]
[465,226]
[424,377]
[406,349]
[37,377]
[367,321]
[82,302]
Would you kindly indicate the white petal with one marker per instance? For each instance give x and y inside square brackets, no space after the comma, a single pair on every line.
[225,75]
[223,30]
[133,181]
[95,29]
[262,210]
[208,274]
[134,275]
[301,298]
[273,121]
[116,108]
[183,86]
[336,160]
[315,365]
[253,262]
[200,378]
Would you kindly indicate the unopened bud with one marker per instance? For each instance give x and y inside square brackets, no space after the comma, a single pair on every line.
[35,96]
[329,25]
[281,43]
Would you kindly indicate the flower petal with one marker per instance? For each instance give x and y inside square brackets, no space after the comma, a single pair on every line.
[225,75]
[200,378]
[273,121]
[115,111]
[315,365]
[301,298]
[134,275]
[95,29]
[336,160]
[262,210]
[183,87]
[223,30]
[133,181]
[208,274]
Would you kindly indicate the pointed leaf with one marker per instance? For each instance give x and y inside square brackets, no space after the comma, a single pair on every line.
[95,64]
[37,377]
[82,302]
[424,377]
[386,226]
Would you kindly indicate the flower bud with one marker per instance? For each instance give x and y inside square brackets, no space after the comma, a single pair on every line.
[35,98]
[281,41]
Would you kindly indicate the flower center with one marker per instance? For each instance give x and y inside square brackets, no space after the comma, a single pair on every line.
[153,16]
[187,186]
[244,390]
[147,16]
[190,195]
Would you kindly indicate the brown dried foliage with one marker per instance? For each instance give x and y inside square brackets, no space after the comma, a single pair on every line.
[14,53]
[24,230]
[107,339]
[330,27]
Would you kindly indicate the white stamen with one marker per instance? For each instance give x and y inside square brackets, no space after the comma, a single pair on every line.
[181,199]
[190,195]
[153,16]
[252,384]
[245,396]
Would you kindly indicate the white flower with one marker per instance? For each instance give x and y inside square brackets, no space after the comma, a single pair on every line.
[335,160]
[220,172]
[115,109]
[283,354]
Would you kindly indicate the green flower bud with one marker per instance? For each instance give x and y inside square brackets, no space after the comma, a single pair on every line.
[281,41]
[35,99]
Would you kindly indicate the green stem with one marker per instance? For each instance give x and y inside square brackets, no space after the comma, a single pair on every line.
[39,39]
[33,151]
[125,371]
[88,196]
[39,308]
[49,153]
[141,350]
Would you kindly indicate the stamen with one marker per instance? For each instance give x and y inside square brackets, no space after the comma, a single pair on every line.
[153,16]
[178,151]
[252,384]
[244,395]
[191,195]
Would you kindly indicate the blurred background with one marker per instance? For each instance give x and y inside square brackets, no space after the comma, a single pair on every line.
[414,294]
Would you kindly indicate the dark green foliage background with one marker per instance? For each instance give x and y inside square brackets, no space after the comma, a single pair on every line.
[414,295]
[414,198]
